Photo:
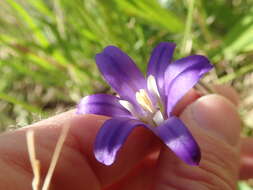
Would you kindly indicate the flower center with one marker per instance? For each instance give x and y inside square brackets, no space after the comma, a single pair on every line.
[151,114]
[144,100]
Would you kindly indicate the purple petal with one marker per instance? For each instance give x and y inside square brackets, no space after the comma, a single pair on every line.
[177,137]
[111,137]
[181,76]
[120,72]
[159,61]
[102,104]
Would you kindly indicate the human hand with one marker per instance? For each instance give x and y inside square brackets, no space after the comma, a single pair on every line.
[143,162]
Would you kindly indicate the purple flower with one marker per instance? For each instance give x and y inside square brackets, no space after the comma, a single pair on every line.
[144,102]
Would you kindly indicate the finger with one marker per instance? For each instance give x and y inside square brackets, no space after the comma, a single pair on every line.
[228,92]
[14,154]
[215,124]
[190,97]
[223,90]
[246,170]
[140,177]
[77,161]
[246,162]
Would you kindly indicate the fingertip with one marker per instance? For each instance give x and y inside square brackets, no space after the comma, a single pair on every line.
[217,116]
[228,92]
[189,98]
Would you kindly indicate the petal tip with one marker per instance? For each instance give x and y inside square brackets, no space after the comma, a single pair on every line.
[111,48]
[196,160]
[107,162]
[78,109]
[204,60]
[195,157]
[106,51]
[80,106]
[168,44]
[78,112]
[104,158]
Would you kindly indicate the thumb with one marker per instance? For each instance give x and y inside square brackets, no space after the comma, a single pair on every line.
[215,124]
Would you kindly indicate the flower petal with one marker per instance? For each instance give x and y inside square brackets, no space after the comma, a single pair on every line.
[102,104]
[111,137]
[159,61]
[177,137]
[181,76]
[120,72]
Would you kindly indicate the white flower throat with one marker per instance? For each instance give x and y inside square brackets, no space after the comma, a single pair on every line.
[152,113]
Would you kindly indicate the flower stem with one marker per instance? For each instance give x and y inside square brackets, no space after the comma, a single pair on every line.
[186,45]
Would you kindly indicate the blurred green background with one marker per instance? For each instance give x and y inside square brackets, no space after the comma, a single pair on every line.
[47,48]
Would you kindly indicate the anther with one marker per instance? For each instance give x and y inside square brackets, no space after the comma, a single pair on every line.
[144,100]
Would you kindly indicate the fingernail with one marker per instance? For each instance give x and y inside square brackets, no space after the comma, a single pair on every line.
[218,117]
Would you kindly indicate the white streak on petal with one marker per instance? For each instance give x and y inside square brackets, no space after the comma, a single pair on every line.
[152,87]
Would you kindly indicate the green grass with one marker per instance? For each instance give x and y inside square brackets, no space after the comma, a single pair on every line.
[47,48]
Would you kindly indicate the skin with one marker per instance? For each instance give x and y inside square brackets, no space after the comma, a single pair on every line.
[143,162]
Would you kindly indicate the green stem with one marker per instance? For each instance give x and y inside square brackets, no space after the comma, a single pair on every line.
[240,72]
[187,32]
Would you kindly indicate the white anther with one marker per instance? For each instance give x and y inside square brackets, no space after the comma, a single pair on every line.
[144,100]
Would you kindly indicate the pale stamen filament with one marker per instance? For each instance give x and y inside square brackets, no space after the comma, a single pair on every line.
[129,107]
[158,118]
[144,100]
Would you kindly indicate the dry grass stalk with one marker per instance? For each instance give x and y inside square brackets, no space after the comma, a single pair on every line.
[36,164]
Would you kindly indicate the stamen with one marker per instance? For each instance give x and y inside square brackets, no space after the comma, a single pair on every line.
[143,99]
[158,118]
[152,87]
[128,106]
